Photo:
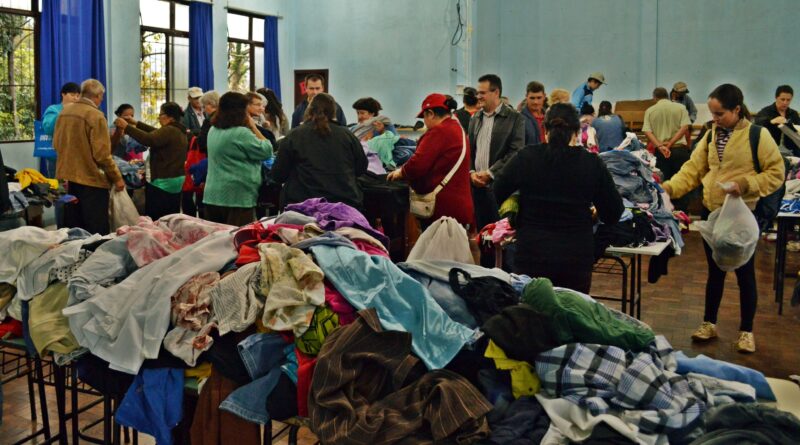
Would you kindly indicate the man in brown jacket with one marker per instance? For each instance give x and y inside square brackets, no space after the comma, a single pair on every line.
[83,145]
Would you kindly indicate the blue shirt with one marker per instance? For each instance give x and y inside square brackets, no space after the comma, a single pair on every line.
[582,95]
[610,131]
[49,118]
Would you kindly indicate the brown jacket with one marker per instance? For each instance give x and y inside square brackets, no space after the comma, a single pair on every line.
[83,145]
[168,146]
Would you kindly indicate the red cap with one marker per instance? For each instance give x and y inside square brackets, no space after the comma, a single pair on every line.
[434,100]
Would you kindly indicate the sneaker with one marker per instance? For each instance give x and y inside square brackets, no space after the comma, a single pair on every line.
[705,332]
[746,342]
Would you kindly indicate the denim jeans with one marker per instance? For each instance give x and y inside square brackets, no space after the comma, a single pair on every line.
[263,356]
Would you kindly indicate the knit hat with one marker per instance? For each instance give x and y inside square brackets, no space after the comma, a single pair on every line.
[322,324]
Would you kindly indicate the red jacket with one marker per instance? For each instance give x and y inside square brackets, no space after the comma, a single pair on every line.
[437,152]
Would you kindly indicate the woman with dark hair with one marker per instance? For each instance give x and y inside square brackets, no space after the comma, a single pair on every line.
[122,145]
[610,127]
[236,149]
[370,122]
[439,151]
[320,158]
[276,120]
[464,114]
[168,145]
[366,108]
[730,140]
[558,182]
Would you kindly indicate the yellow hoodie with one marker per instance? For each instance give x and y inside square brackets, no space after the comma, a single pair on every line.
[736,166]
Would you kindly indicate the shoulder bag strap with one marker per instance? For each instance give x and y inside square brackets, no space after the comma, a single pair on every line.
[457,165]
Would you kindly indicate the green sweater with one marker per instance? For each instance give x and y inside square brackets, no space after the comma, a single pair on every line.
[576,320]
[234,167]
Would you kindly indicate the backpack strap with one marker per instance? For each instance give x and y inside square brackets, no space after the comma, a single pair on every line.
[755,139]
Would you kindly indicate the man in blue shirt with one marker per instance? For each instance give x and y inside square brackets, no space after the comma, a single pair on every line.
[70,93]
[583,94]
[315,84]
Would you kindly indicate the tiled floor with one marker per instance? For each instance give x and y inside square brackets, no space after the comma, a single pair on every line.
[673,307]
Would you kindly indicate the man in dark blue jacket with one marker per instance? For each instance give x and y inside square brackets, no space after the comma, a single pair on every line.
[315,84]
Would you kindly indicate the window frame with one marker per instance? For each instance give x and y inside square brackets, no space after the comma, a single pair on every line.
[253,44]
[36,15]
[169,33]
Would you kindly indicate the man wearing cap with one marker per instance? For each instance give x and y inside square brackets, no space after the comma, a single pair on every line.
[496,134]
[680,94]
[583,94]
[666,124]
[194,116]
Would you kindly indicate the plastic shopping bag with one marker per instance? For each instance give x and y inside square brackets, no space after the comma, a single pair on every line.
[732,233]
[445,239]
[121,210]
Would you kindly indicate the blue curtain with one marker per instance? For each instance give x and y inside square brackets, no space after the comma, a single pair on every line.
[72,46]
[201,65]
[272,70]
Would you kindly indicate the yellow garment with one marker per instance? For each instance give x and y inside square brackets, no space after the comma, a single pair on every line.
[28,176]
[705,167]
[524,381]
[49,328]
[201,371]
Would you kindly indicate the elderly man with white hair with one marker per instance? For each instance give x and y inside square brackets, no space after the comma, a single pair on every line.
[194,115]
[83,145]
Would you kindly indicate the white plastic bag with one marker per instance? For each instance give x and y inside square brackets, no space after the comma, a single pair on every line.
[732,233]
[445,239]
[121,210]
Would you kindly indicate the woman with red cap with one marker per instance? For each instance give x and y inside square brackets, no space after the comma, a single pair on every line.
[441,149]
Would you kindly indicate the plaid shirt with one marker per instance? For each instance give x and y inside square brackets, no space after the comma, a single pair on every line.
[642,388]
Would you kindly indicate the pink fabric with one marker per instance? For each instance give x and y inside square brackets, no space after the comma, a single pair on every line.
[150,240]
[337,303]
[502,231]
[369,248]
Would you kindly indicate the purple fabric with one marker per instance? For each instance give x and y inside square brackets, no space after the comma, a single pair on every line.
[374,163]
[661,231]
[334,215]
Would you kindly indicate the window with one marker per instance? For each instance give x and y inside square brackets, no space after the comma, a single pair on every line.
[18,69]
[165,54]
[245,51]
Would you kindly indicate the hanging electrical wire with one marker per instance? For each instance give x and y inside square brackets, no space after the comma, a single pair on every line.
[459,33]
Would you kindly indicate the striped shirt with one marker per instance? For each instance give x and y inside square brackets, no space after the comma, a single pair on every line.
[484,142]
[723,136]
[368,388]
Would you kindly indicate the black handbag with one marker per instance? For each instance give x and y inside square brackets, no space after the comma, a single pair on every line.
[485,296]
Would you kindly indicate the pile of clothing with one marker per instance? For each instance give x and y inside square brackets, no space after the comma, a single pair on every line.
[28,187]
[306,315]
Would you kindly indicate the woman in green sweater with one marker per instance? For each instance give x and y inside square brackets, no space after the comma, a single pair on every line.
[236,150]
[168,146]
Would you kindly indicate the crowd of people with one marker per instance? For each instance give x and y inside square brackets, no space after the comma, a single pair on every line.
[471,158]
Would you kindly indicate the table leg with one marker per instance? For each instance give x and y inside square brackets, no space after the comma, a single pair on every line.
[74,403]
[780,262]
[632,290]
[638,287]
[624,285]
[60,378]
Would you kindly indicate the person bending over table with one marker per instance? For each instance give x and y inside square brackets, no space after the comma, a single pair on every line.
[558,182]
[730,141]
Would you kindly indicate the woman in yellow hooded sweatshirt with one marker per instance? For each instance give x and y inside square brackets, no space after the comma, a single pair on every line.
[728,157]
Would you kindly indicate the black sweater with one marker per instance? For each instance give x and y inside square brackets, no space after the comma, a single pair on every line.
[314,166]
[557,188]
[771,112]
